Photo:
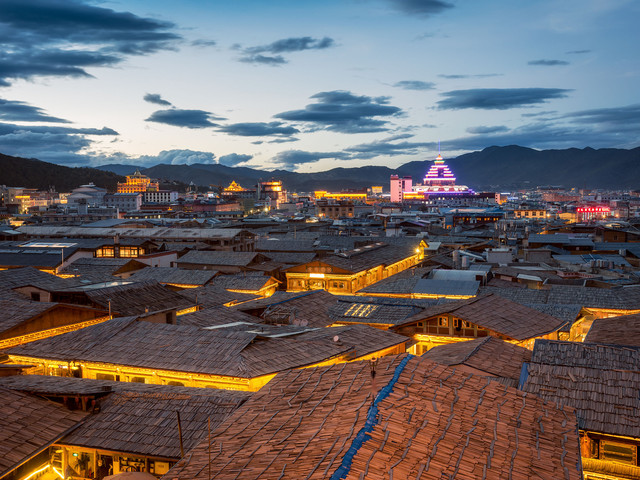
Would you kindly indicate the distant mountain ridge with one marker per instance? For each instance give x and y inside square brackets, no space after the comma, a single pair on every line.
[32,173]
[493,168]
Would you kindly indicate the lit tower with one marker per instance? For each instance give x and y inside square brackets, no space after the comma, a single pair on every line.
[439,173]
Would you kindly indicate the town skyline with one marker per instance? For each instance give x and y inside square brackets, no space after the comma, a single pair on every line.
[308,87]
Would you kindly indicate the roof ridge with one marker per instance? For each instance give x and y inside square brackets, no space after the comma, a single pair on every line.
[475,349]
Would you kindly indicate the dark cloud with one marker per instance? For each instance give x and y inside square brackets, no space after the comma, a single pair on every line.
[539,114]
[616,118]
[184,118]
[341,111]
[387,148]
[483,130]
[63,37]
[548,63]
[271,54]
[156,99]
[259,129]
[291,159]
[9,128]
[499,98]
[51,147]
[458,76]
[264,59]
[415,85]
[578,52]
[234,159]
[421,7]
[17,111]
[284,140]
[599,128]
[204,43]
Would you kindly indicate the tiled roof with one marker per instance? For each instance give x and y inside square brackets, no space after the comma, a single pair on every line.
[212,316]
[209,257]
[214,296]
[430,286]
[15,312]
[600,381]
[173,275]
[589,297]
[242,282]
[218,352]
[416,419]
[150,422]
[289,258]
[136,298]
[165,233]
[370,256]
[624,330]
[310,308]
[486,356]
[285,246]
[46,385]
[28,424]
[500,315]
[364,312]
[19,277]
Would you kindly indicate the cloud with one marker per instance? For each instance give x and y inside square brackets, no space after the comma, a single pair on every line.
[264,59]
[234,159]
[258,129]
[291,159]
[9,128]
[184,118]
[156,99]
[617,118]
[64,37]
[548,63]
[482,130]
[499,98]
[341,111]
[457,76]
[271,54]
[52,147]
[177,157]
[423,8]
[539,114]
[415,85]
[617,127]
[17,111]
[577,52]
[204,43]
[386,147]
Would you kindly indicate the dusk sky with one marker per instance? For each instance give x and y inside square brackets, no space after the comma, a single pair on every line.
[310,85]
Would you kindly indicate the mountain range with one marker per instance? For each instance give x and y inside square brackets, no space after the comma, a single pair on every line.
[493,168]
[490,169]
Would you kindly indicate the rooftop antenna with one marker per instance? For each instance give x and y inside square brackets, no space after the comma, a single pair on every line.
[438,147]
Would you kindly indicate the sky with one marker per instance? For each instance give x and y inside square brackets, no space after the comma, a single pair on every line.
[311,85]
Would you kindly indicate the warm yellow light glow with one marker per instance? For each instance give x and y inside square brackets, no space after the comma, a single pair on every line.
[37,472]
[56,470]
[187,310]
[316,275]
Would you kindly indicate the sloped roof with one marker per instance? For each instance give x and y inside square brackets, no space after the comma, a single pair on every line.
[136,298]
[19,277]
[218,352]
[624,330]
[500,315]
[310,307]
[223,258]
[600,381]
[149,422]
[590,297]
[46,385]
[28,424]
[427,421]
[173,275]
[213,296]
[212,316]
[486,356]
[243,282]
[15,312]
[364,312]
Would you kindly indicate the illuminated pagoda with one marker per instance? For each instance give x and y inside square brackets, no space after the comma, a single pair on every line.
[138,183]
[438,182]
